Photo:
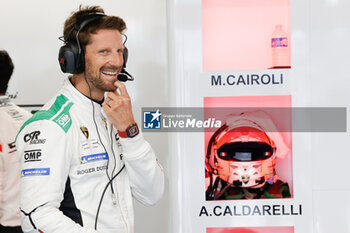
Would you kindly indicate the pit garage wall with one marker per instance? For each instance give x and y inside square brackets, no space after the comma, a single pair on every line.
[160,31]
[30,31]
[319,39]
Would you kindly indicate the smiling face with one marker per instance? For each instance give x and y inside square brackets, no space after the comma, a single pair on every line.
[103,60]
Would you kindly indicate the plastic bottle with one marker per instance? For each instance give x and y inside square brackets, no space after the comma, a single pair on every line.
[280,48]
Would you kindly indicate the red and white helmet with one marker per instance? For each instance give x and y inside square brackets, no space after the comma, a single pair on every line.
[242,155]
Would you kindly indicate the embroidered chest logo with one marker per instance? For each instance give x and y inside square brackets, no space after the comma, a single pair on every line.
[85,131]
[63,120]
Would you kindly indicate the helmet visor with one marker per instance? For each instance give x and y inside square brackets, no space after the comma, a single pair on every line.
[245,151]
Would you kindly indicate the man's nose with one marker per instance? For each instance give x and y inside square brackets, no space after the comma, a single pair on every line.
[116,59]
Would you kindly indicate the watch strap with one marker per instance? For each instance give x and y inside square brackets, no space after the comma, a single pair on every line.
[122,134]
[130,132]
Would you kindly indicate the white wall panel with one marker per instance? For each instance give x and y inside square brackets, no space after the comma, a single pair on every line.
[332,210]
[329,48]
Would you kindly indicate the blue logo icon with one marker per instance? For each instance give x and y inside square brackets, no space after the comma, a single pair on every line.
[92,158]
[152,119]
[36,172]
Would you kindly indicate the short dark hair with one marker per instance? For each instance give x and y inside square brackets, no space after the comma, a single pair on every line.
[106,22]
[6,69]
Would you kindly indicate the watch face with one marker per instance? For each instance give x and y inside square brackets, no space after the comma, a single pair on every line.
[132,131]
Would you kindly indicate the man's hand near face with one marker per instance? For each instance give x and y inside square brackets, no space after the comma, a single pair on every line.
[118,108]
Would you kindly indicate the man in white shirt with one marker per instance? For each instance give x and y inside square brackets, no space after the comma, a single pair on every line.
[11,119]
[82,156]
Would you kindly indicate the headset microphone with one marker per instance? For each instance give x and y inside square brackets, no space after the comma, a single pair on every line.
[124,76]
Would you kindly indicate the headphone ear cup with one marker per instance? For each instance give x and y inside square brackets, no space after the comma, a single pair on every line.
[125,56]
[70,59]
[80,68]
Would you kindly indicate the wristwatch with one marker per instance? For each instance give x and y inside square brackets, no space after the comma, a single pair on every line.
[130,132]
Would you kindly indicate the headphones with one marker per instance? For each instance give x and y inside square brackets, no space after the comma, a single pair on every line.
[71,55]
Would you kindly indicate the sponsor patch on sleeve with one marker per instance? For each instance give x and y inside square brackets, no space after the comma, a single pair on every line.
[35,172]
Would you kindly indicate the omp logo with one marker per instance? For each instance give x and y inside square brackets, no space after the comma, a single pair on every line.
[63,120]
[35,172]
[92,158]
[32,155]
[32,138]
[152,120]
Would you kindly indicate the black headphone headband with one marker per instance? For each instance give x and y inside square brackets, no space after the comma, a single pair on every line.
[83,22]
[71,56]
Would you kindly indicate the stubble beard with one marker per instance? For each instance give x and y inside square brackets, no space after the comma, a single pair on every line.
[96,81]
